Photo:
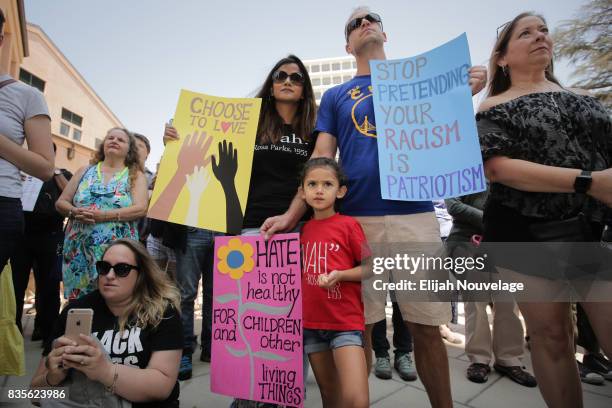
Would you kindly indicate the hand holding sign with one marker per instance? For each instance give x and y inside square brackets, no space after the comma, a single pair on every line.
[478,78]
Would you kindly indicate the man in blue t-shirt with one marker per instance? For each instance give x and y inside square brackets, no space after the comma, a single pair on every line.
[346,121]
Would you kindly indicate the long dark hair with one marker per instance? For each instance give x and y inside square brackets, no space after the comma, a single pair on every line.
[500,80]
[271,124]
[132,162]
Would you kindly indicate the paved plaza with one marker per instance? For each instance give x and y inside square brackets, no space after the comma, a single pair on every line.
[498,392]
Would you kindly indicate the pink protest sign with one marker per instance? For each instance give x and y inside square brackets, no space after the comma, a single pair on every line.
[257,319]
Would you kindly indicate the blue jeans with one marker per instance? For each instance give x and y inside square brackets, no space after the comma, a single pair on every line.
[317,340]
[196,262]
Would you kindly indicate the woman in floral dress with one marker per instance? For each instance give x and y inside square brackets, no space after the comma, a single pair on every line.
[103,202]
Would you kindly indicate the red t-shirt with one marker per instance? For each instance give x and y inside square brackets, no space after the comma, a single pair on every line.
[334,243]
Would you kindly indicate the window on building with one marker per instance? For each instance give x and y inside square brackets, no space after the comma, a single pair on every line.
[346,78]
[30,79]
[72,117]
[355,64]
[325,67]
[76,134]
[337,80]
[326,81]
[318,95]
[64,129]
[316,81]
[346,65]
[336,66]
[315,68]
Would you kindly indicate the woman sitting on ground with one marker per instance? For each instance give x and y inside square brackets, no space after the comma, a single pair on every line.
[136,342]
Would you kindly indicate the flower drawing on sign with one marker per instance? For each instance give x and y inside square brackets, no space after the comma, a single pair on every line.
[235,258]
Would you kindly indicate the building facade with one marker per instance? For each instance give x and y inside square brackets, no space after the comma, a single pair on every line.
[327,72]
[79,117]
[15,45]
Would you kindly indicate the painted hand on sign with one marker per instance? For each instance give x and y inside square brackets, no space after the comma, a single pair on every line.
[193,150]
[196,183]
[225,172]
[193,153]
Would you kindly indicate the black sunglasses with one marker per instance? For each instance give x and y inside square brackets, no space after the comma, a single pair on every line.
[121,269]
[281,76]
[356,23]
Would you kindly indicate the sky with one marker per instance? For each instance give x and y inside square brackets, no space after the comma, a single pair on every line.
[138,54]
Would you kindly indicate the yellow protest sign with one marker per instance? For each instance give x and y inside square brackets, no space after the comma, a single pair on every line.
[203,179]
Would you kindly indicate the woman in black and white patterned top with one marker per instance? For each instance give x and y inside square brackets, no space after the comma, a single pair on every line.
[536,139]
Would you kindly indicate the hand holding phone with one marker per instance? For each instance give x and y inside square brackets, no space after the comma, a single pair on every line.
[78,322]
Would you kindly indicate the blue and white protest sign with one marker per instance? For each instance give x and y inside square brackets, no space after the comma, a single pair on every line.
[427,140]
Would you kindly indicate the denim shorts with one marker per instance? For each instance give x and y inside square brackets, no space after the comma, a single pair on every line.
[322,340]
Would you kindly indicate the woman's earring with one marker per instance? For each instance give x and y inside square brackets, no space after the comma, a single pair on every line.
[505,70]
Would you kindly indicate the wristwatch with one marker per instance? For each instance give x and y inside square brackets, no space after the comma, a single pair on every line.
[57,172]
[583,182]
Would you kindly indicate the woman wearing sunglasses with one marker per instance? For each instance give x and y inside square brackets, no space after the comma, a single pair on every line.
[103,202]
[135,345]
[283,144]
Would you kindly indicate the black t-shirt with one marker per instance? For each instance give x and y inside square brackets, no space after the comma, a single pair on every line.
[44,217]
[136,345]
[275,176]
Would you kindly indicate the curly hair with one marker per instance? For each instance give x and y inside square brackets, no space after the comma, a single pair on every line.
[131,160]
[153,293]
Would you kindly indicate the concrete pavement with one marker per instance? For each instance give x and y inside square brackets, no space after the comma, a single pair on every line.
[498,392]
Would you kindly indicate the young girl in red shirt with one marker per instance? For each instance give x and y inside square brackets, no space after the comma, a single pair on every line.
[333,247]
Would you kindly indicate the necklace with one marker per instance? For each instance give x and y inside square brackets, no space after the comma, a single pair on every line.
[538,88]
[117,175]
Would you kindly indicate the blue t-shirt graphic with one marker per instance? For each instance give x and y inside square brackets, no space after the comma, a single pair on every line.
[347,113]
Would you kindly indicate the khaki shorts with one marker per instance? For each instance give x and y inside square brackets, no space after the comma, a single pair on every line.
[389,231]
